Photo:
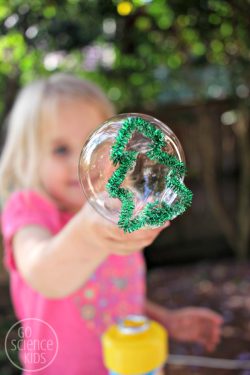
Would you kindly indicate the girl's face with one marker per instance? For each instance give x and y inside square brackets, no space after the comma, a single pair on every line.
[62,141]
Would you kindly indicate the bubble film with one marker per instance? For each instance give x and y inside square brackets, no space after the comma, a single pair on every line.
[132,169]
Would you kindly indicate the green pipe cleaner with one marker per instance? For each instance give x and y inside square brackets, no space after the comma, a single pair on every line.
[156,213]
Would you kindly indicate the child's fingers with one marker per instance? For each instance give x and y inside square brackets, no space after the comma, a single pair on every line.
[133,243]
[206,314]
[129,246]
[114,230]
[211,333]
[211,344]
[218,318]
[212,315]
[141,241]
[115,238]
[207,340]
[213,341]
[118,234]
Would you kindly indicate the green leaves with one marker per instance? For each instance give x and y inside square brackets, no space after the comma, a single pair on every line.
[12,50]
[174,34]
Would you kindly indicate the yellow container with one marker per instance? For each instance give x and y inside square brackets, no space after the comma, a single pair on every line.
[135,346]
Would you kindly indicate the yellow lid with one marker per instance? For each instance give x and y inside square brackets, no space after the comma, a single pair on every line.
[135,346]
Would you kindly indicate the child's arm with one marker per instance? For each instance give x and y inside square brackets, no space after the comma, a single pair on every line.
[58,265]
[190,324]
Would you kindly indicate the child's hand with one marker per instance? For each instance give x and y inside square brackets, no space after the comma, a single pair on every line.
[107,238]
[193,324]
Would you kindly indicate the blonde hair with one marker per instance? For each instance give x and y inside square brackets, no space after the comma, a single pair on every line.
[20,156]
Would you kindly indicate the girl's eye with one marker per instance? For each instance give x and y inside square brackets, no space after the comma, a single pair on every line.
[61,150]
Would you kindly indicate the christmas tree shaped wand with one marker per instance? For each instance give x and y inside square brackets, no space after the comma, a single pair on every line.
[156,213]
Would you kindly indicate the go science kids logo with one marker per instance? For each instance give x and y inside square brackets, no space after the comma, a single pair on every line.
[35,340]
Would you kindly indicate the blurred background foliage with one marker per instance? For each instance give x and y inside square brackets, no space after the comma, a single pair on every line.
[140,51]
[186,62]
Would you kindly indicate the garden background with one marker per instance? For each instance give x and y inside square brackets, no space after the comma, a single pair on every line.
[187,64]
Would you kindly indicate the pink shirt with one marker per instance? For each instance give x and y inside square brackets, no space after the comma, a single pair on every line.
[115,289]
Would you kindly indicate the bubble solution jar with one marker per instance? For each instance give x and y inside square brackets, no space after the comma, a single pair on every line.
[135,346]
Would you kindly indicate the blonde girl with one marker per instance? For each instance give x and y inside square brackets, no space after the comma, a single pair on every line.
[66,263]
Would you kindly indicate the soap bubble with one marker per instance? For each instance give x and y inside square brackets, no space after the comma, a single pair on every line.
[146,179]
